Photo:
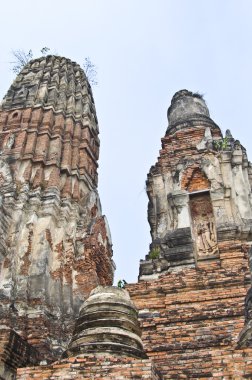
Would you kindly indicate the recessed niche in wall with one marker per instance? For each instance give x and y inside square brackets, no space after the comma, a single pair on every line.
[203,225]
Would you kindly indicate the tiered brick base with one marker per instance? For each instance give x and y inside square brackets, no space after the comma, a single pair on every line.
[106,368]
[191,318]
[217,364]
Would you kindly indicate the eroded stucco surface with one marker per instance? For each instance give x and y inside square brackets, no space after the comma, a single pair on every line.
[55,244]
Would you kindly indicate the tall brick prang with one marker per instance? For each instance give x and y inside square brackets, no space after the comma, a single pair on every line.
[55,244]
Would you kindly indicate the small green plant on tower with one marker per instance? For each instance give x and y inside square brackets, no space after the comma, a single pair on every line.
[154,253]
[121,284]
[221,144]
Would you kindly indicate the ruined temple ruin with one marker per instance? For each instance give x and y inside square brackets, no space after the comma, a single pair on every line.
[55,244]
[189,316]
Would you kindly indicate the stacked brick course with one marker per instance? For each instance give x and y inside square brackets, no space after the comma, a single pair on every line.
[106,368]
[192,318]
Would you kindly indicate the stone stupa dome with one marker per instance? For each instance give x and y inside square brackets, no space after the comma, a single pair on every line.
[107,324]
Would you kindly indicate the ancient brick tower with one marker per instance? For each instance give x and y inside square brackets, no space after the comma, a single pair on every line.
[55,243]
[199,190]
[194,280]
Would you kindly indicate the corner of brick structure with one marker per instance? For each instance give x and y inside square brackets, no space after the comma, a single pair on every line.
[14,353]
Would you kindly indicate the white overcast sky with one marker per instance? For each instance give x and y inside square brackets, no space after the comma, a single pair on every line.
[145,51]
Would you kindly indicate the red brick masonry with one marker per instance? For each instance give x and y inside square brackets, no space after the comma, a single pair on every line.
[103,368]
[191,318]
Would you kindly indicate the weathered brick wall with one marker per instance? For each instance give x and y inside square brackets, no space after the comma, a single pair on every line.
[49,147]
[191,318]
[195,157]
[14,352]
[213,363]
[194,180]
[98,368]
[55,244]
